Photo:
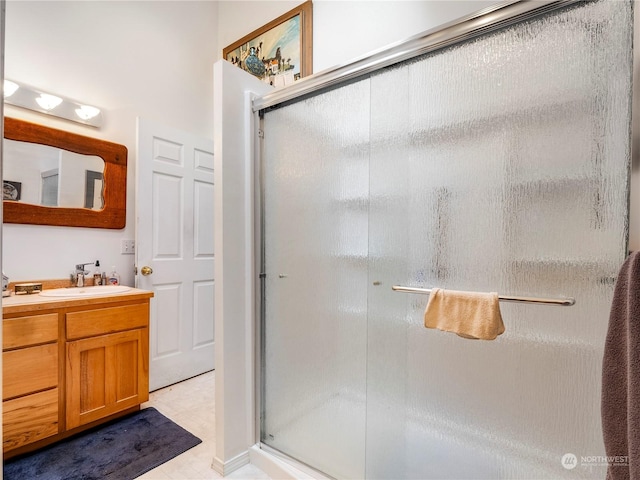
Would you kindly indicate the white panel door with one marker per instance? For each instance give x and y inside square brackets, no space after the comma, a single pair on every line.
[174,230]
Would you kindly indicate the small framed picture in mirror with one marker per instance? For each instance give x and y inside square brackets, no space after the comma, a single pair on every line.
[11,190]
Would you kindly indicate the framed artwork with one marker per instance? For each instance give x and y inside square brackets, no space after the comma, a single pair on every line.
[11,190]
[280,52]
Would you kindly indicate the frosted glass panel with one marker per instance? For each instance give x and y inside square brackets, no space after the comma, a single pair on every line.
[316,189]
[498,165]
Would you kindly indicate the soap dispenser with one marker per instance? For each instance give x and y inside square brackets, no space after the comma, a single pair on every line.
[114,278]
[97,274]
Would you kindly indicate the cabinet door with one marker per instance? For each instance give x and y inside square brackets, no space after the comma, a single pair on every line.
[105,375]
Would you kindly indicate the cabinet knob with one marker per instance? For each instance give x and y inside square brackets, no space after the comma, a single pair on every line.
[146,270]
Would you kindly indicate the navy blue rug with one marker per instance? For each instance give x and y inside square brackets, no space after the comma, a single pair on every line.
[123,449]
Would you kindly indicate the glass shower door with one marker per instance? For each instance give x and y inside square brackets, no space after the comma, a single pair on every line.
[316,195]
[500,164]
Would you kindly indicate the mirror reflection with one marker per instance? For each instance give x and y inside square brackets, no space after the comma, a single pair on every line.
[49,176]
[107,211]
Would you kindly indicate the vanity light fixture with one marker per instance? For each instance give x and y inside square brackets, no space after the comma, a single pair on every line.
[24,96]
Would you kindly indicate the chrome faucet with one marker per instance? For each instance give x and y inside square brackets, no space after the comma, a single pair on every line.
[80,273]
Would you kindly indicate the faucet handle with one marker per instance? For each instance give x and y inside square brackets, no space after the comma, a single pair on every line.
[80,273]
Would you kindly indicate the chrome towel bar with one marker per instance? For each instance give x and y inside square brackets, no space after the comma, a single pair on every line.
[564,302]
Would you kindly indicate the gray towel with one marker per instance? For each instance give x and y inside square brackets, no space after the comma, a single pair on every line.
[621,376]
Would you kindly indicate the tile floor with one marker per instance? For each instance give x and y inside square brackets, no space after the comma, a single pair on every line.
[191,405]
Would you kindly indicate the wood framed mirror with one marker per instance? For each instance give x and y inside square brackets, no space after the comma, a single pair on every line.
[96,211]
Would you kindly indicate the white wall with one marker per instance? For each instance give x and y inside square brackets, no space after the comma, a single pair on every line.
[350,29]
[234,266]
[132,58]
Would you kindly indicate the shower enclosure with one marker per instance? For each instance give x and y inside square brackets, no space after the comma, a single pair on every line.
[497,159]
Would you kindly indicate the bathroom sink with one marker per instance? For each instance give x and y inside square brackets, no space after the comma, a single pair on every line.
[97,290]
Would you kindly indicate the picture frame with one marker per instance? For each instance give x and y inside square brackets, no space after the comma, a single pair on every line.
[280,52]
[11,190]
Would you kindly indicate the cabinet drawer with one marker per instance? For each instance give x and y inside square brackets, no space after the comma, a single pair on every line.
[89,323]
[32,330]
[28,419]
[29,370]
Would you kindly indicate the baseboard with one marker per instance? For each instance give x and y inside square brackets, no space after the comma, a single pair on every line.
[274,467]
[225,468]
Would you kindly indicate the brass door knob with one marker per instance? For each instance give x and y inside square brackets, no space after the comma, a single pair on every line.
[146,271]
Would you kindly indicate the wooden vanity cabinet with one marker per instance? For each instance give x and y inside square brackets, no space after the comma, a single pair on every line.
[107,365]
[70,365]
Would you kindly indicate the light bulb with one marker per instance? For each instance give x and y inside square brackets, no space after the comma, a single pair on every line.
[47,101]
[10,88]
[86,112]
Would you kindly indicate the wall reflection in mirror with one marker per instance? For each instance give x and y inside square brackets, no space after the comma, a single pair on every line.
[45,175]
